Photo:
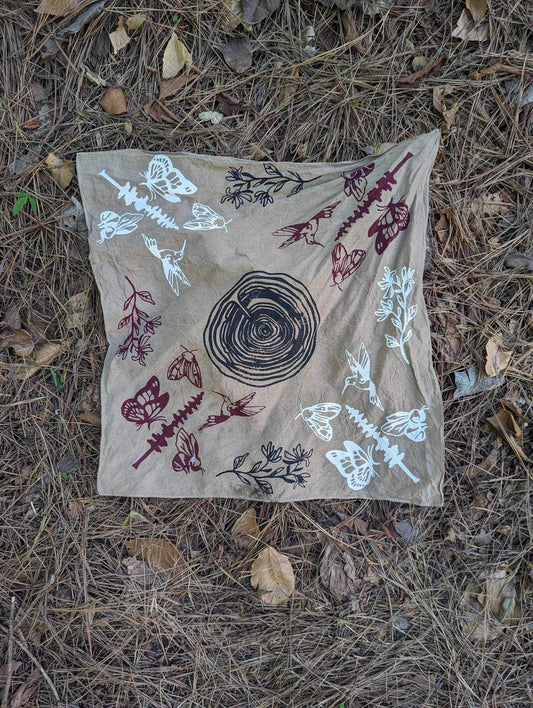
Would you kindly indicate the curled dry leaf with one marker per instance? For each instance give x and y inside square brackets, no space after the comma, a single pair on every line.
[81,19]
[119,38]
[469,382]
[114,101]
[170,87]
[273,576]
[158,553]
[256,10]
[497,357]
[78,310]
[445,108]
[43,354]
[338,572]
[230,106]
[160,113]
[414,79]
[478,9]
[490,602]
[245,532]
[18,339]
[469,30]
[135,21]
[62,171]
[175,57]
[91,418]
[213,117]
[505,424]
[237,54]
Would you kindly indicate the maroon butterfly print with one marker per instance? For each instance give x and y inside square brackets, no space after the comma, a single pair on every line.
[187,458]
[307,230]
[186,364]
[395,218]
[355,181]
[343,264]
[146,405]
[230,408]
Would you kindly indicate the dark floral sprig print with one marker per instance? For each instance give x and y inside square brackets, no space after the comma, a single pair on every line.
[289,469]
[140,326]
[247,188]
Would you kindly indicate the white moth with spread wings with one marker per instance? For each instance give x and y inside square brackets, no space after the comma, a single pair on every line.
[354,463]
[205,219]
[111,224]
[170,260]
[318,416]
[361,375]
[164,179]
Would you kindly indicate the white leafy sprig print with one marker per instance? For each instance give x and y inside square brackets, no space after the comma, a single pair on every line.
[396,288]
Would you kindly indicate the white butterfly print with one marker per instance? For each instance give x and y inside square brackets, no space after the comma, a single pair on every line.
[170,260]
[361,375]
[205,219]
[164,179]
[318,416]
[111,224]
[411,424]
[354,463]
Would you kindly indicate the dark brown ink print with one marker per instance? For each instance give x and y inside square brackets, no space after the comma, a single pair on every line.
[394,219]
[344,264]
[307,230]
[140,326]
[187,458]
[186,365]
[231,408]
[146,405]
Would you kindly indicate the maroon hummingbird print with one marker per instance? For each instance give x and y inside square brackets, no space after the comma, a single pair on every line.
[186,365]
[344,264]
[307,230]
[187,459]
[231,408]
[395,218]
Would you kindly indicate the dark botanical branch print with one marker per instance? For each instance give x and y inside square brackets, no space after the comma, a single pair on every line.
[247,188]
[278,464]
[140,326]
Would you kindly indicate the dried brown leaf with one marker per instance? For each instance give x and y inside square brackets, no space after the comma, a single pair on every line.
[414,79]
[237,54]
[43,354]
[470,31]
[62,171]
[290,86]
[158,553]
[160,113]
[77,308]
[506,426]
[175,57]
[23,698]
[119,38]
[114,101]
[478,9]
[59,8]
[136,21]
[232,14]
[338,572]
[490,601]
[256,10]
[18,339]
[497,357]
[486,465]
[520,260]
[91,418]
[273,576]
[170,87]
[245,532]
[68,463]
[230,106]
[139,571]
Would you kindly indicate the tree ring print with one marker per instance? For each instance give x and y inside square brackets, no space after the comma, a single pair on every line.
[263,330]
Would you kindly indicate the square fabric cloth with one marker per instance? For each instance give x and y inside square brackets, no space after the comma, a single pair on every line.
[268,337]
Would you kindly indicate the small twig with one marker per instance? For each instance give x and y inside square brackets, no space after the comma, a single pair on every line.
[9,653]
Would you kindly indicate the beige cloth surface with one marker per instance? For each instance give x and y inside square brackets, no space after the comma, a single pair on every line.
[268,337]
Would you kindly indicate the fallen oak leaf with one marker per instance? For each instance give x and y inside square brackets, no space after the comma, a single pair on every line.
[175,57]
[158,553]
[114,101]
[237,54]
[245,531]
[414,79]
[497,358]
[119,38]
[273,576]
[62,171]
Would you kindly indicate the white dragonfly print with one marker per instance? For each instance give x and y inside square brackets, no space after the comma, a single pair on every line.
[354,463]
[170,260]
[360,377]
[164,179]
[205,219]
[318,416]
[111,224]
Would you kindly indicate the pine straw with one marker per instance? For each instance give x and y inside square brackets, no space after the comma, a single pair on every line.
[203,639]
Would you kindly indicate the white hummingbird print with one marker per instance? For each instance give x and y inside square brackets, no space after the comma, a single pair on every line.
[170,260]
[361,375]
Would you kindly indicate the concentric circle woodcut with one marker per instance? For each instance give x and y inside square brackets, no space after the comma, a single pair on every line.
[263,330]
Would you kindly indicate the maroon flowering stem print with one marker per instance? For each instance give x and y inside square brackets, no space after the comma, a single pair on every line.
[384,184]
[159,440]
[140,326]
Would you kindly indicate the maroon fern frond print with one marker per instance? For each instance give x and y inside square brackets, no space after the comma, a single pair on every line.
[136,345]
